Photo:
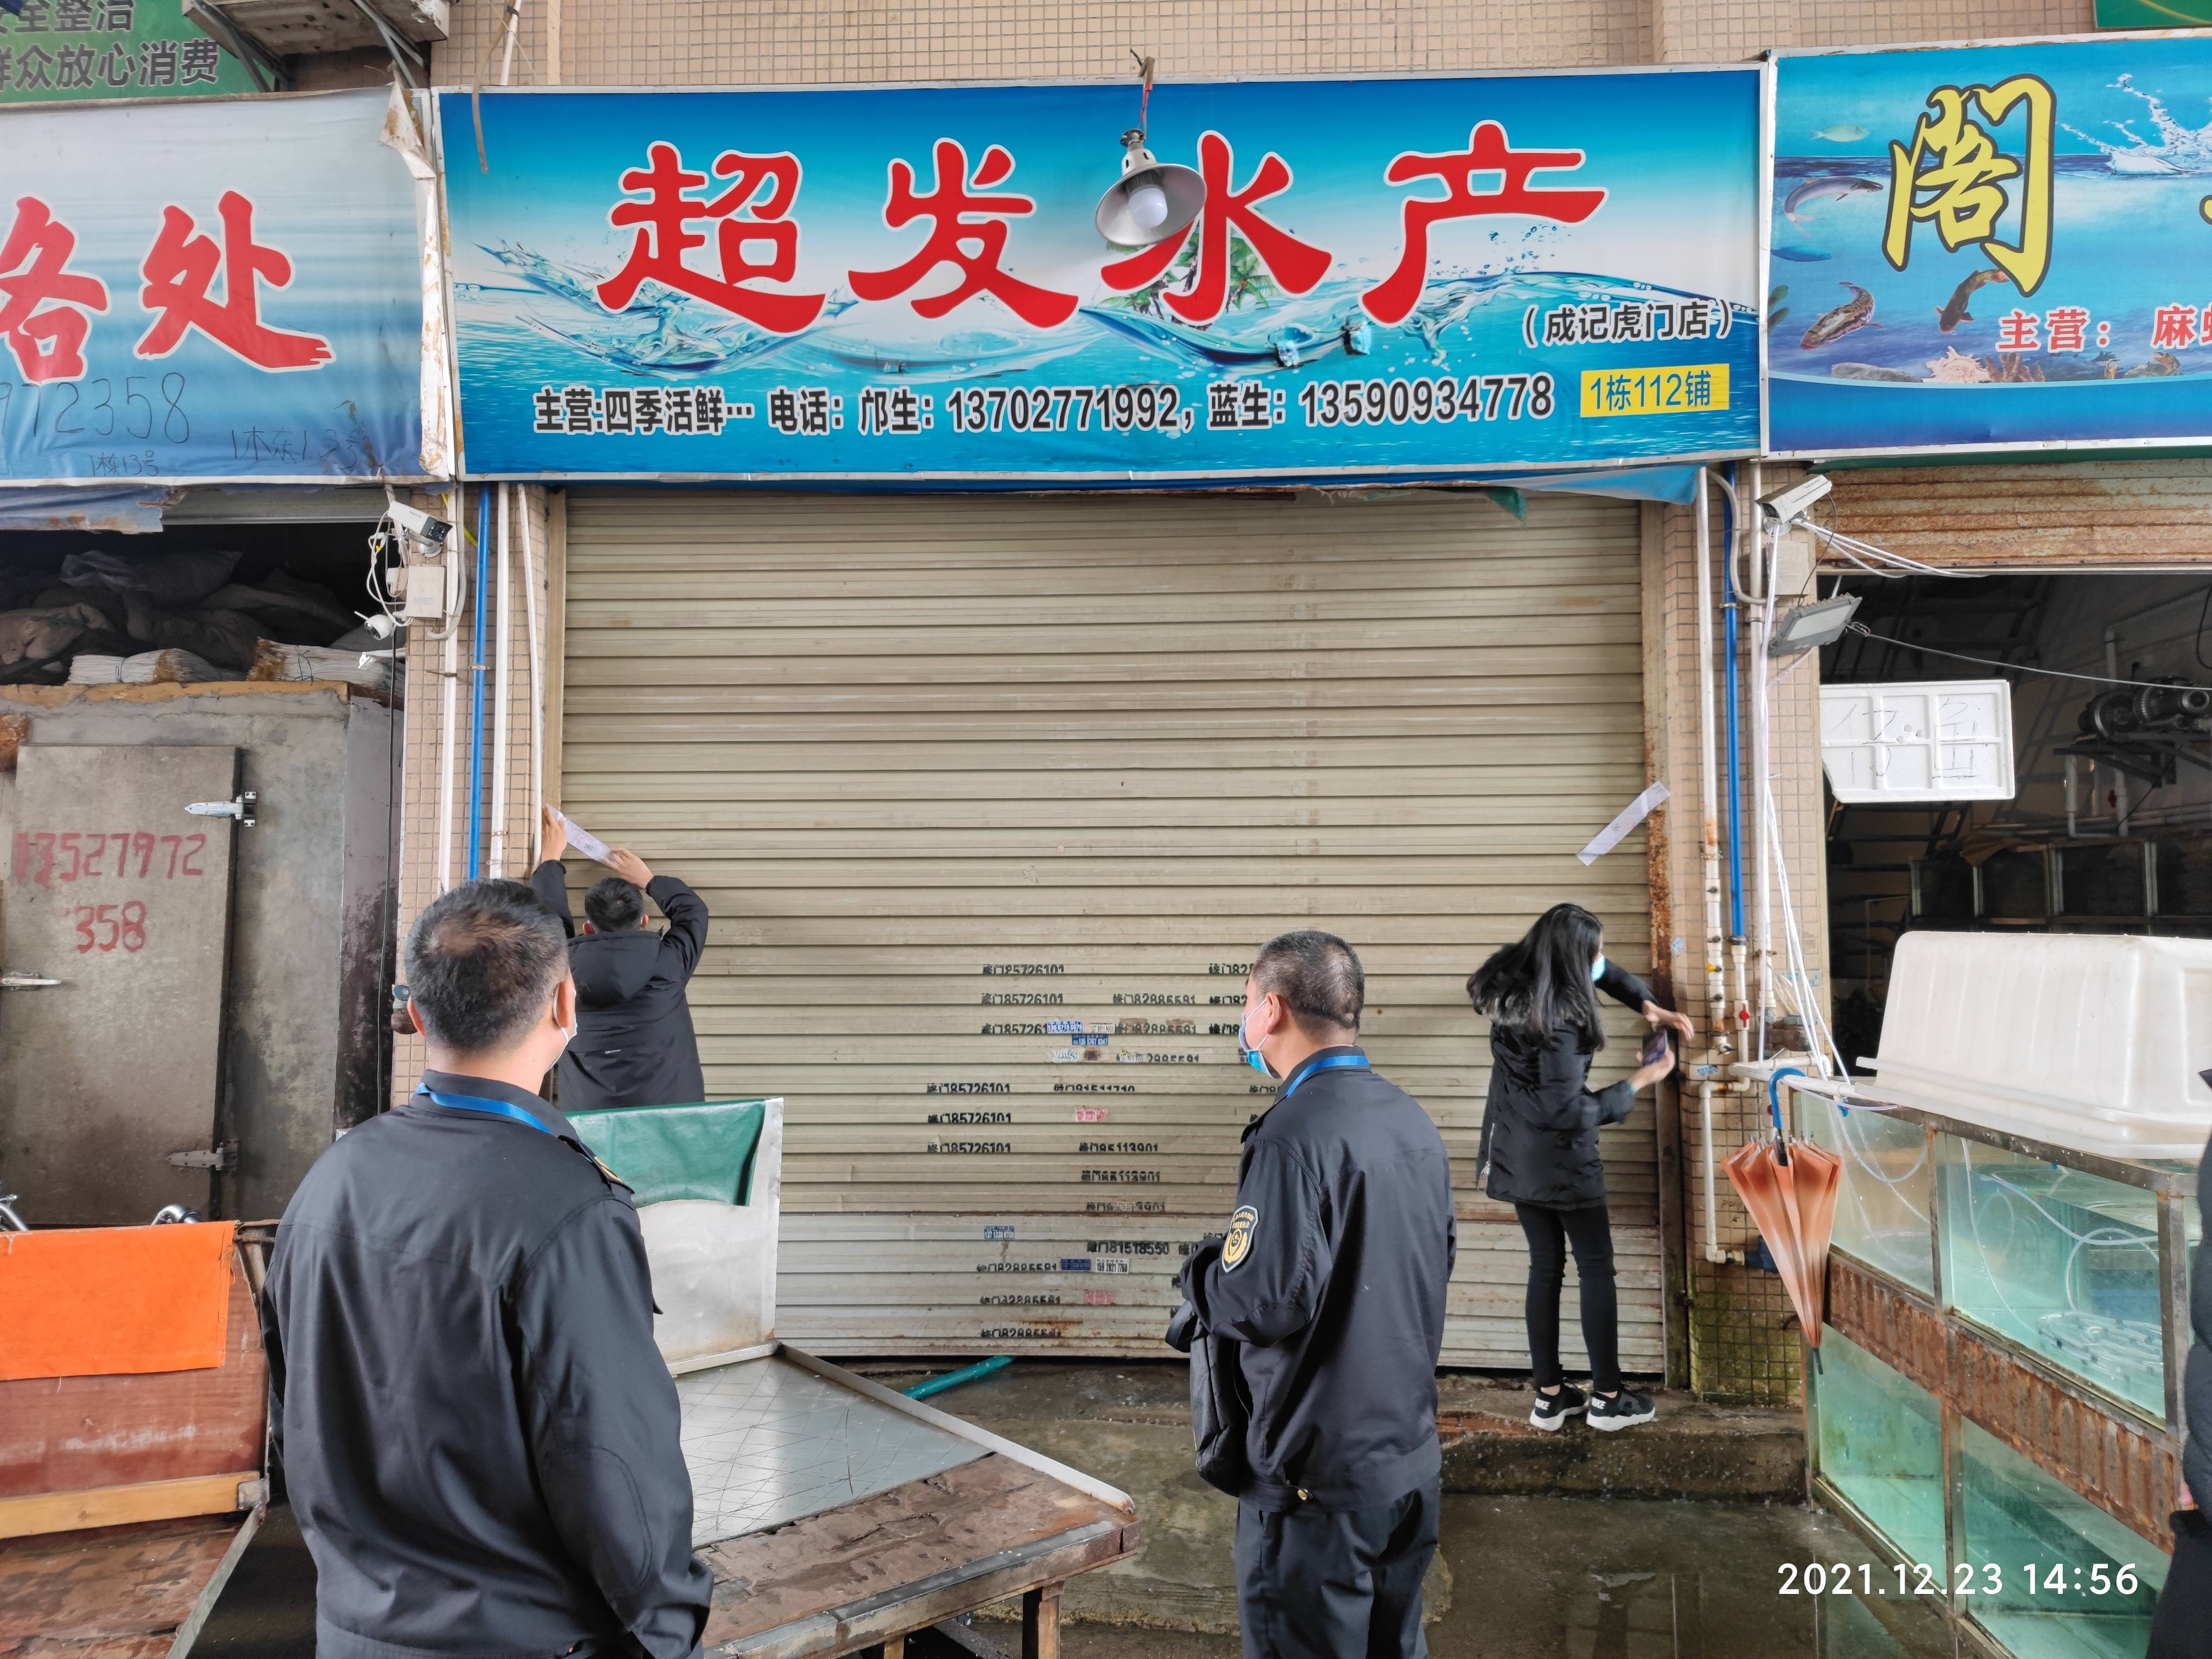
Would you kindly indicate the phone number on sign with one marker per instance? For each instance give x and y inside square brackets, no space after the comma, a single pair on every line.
[1416,403]
[1069,409]
[1966,1578]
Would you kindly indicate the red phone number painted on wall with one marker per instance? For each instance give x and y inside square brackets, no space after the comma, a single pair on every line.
[45,857]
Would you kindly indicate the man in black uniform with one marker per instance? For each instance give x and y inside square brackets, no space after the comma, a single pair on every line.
[477,1433]
[635,1045]
[1332,1276]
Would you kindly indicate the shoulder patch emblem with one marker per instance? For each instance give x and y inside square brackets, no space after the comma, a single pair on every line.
[1238,1244]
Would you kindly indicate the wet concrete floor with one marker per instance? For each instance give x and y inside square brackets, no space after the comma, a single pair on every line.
[1539,1577]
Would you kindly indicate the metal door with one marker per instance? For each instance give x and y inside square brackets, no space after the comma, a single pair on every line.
[992,797]
[115,891]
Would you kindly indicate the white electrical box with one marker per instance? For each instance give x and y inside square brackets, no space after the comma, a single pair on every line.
[430,592]
[1922,741]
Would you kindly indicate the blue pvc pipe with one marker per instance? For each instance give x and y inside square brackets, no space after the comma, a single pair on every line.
[975,1373]
[1733,744]
[1774,1096]
[477,715]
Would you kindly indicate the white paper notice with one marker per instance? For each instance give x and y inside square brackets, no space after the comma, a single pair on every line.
[592,847]
[1630,815]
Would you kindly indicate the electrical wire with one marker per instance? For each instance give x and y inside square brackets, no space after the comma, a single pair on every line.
[1859,552]
[2009,668]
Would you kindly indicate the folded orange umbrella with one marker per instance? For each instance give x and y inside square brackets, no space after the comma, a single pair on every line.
[1790,1192]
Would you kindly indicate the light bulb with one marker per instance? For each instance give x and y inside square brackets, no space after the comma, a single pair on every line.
[1148,206]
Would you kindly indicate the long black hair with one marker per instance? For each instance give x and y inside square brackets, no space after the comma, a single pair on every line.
[1543,982]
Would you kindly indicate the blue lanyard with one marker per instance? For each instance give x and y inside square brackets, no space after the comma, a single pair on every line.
[1329,1063]
[485,1105]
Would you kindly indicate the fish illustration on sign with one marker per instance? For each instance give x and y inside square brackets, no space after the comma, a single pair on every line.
[1842,133]
[1953,312]
[1829,186]
[1798,253]
[1854,313]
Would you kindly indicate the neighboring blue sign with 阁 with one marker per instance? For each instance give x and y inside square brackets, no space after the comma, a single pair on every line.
[1992,247]
[195,292]
[1388,278]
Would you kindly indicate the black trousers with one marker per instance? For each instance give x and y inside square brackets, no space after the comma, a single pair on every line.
[1335,1584]
[2182,1627]
[1589,1231]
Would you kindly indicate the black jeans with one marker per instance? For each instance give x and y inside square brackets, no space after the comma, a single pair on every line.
[2182,1627]
[1591,1233]
[1335,1583]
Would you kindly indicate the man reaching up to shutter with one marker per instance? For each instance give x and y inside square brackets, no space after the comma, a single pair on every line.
[635,1045]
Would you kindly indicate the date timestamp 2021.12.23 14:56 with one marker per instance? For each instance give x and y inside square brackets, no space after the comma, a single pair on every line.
[2041,1580]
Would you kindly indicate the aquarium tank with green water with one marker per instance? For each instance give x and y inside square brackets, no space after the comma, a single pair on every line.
[2061,1261]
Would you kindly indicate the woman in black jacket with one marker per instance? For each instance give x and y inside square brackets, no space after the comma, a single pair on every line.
[1540,1144]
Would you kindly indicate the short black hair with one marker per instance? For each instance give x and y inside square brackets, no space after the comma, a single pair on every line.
[1317,974]
[614,904]
[481,959]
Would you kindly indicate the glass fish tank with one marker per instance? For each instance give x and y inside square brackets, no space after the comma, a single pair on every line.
[2053,1575]
[2061,1261]
[1881,1446]
[1882,1205]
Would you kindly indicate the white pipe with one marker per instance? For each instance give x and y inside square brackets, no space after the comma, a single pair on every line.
[1762,619]
[537,696]
[458,551]
[1717,1042]
[1710,791]
[502,683]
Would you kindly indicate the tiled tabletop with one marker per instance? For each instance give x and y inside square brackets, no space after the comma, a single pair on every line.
[769,1441]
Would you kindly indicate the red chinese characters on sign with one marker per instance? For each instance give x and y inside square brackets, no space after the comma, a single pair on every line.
[1393,299]
[967,230]
[2017,331]
[180,271]
[43,311]
[2173,328]
[750,213]
[1296,267]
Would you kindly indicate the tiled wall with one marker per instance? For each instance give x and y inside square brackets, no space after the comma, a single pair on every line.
[1742,1343]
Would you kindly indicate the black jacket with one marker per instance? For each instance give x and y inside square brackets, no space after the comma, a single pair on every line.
[477,1433]
[1333,1276]
[633,1044]
[1540,1141]
[2196,1376]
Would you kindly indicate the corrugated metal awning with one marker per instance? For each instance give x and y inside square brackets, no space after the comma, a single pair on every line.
[2056,516]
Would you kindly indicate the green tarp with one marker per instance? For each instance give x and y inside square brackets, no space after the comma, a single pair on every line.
[662,1153]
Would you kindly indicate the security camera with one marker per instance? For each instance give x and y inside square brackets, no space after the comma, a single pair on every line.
[380,625]
[1787,506]
[432,532]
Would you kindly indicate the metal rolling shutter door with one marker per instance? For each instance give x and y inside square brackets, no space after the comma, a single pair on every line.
[951,771]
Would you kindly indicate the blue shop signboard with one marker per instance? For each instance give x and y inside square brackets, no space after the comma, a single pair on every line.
[1992,248]
[1389,278]
[208,291]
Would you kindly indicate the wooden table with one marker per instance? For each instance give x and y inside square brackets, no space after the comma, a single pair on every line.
[865,1574]
[131,1592]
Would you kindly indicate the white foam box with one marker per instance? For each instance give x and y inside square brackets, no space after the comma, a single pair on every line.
[1924,740]
[2091,1041]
